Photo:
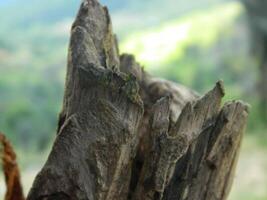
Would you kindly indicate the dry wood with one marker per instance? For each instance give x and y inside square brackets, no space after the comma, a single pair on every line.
[123,134]
[11,171]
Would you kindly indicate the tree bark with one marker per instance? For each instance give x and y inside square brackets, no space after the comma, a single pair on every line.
[123,134]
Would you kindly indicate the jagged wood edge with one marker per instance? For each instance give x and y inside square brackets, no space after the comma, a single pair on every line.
[97,96]
[96,140]
[206,171]
[169,144]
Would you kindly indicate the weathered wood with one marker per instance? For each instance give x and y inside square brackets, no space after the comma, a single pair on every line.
[11,170]
[206,170]
[123,134]
[168,144]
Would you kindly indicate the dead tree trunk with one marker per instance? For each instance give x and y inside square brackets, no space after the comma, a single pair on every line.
[123,134]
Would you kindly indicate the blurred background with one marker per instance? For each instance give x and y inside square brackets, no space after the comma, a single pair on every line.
[191,42]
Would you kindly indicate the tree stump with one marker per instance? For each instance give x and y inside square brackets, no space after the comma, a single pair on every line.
[125,135]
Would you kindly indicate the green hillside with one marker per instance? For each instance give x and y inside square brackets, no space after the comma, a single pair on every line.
[187,41]
[181,49]
[192,42]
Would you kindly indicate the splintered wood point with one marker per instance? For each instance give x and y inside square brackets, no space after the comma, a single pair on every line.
[126,135]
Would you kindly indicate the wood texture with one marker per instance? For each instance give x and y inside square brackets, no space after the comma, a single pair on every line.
[11,171]
[125,135]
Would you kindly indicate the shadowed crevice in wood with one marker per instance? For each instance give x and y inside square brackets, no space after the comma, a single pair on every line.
[125,135]
[206,171]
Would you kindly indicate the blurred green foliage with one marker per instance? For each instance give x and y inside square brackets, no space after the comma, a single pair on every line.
[192,42]
[195,43]
[200,48]
[33,51]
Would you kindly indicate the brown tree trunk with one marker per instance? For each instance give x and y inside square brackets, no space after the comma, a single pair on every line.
[123,134]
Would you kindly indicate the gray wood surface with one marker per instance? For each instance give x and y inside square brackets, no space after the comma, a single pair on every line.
[123,134]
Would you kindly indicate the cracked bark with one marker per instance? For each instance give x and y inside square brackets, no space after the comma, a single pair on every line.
[123,134]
